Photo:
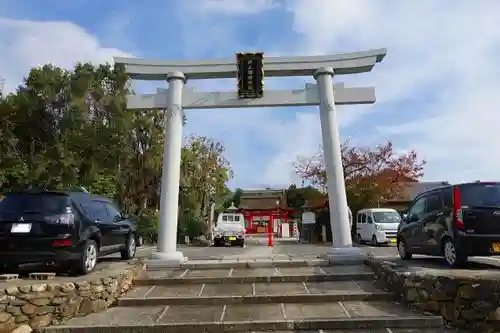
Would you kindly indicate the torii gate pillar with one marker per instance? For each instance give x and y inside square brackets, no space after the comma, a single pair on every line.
[170,177]
[339,212]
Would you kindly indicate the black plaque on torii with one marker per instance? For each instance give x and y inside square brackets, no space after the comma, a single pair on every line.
[250,75]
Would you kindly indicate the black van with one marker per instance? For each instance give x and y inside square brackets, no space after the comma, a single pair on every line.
[67,229]
[455,222]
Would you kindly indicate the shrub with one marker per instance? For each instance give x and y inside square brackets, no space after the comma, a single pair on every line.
[193,226]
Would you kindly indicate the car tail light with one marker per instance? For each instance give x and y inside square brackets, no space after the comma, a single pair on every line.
[246,231]
[457,208]
[61,242]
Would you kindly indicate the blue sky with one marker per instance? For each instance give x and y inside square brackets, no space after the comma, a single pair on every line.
[437,89]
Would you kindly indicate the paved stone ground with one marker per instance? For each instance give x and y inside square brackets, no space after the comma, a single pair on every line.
[186,314]
[256,272]
[244,299]
[389,252]
[257,248]
[221,303]
[194,296]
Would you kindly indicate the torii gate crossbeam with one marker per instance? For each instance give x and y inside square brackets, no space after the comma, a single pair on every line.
[176,98]
[192,99]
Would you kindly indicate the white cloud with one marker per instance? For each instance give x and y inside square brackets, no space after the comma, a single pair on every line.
[444,53]
[441,55]
[236,7]
[26,44]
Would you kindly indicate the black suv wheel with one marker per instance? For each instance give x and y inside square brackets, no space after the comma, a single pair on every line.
[88,259]
[403,249]
[452,255]
[130,248]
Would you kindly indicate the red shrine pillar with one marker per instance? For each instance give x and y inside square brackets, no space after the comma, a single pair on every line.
[270,231]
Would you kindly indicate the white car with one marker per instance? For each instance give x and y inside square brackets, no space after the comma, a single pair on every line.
[230,230]
[377,225]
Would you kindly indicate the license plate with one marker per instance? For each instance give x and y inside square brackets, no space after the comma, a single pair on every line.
[20,228]
[496,247]
[232,238]
[392,240]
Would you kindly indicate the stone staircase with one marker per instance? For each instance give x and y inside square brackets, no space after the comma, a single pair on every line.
[254,296]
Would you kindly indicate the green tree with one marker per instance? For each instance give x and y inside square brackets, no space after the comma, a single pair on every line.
[232,198]
[204,174]
[297,196]
[63,129]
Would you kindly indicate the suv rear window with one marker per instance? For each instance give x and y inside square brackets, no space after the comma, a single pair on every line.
[35,203]
[480,194]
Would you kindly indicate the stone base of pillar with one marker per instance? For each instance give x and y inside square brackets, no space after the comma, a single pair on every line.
[345,256]
[160,260]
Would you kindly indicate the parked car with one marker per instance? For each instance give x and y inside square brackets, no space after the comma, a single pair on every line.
[68,229]
[230,230]
[455,222]
[377,225]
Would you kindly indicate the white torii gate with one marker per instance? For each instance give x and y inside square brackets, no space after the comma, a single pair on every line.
[176,98]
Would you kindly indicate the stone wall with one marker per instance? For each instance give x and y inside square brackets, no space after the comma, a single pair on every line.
[26,307]
[465,299]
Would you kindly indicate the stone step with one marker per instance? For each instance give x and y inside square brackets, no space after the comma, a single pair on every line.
[257,299]
[154,265]
[254,275]
[250,317]
[254,293]
[381,330]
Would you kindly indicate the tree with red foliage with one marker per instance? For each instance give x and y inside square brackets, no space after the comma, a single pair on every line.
[371,174]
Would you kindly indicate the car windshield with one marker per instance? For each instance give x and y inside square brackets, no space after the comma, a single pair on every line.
[33,203]
[480,194]
[386,217]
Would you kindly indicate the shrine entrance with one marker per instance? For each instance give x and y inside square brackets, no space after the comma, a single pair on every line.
[250,70]
[265,211]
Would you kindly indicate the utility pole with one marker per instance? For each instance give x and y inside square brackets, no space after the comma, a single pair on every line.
[2,82]
[211,221]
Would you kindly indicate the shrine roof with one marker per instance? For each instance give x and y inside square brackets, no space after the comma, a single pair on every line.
[263,203]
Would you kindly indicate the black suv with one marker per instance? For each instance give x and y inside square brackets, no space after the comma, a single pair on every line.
[67,229]
[454,222]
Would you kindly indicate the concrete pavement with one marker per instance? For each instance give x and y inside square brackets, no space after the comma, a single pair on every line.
[257,248]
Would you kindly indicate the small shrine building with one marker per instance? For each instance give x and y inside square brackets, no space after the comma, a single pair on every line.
[262,208]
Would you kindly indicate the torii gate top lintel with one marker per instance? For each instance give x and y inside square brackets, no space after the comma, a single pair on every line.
[342,63]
